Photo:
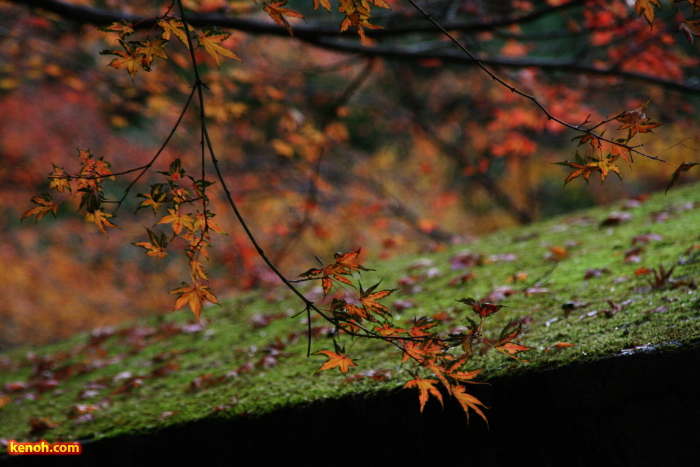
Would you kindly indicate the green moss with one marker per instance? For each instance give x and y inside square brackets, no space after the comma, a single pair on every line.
[235,367]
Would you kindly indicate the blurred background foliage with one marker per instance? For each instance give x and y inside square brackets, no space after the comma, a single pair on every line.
[327,146]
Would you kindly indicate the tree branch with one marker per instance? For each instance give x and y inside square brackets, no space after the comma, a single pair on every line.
[328,37]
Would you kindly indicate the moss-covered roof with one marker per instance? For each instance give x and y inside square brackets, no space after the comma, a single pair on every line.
[594,279]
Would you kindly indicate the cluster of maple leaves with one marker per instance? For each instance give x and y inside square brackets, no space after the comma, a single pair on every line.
[425,347]
[180,192]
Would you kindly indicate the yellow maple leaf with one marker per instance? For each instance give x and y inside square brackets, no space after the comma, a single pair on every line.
[151,48]
[173,26]
[211,44]
[59,179]
[194,296]
[123,28]
[128,58]
[646,7]
[100,218]
[179,221]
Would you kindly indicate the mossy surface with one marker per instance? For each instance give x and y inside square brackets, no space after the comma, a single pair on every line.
[574,280]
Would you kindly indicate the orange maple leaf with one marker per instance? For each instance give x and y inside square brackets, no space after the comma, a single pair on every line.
[581,170]
[421,351]
[347,261]
[426,388]
[277,13]
[466,376]
[504,344]
[388,330]
[368,299]
[335,360]
[344,265]
[194,296]
[421,326]
[325,3]
[636,120]
[45,205]
[621,151]
[467,401]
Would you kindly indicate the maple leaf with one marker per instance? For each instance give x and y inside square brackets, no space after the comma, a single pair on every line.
[45,205]
[206,224]
[467,401]
[646,7]
[123,28]
[325,3]
[582,170]
[194,296]
[593,141]
[606,166]
[59,179]
[344,265]
[465,376]
[211,44]
[368,299]
[172,26]
[347,261]
[388,330]
[128,58]
[151,48]
[357,13]
[156,247]
[154,199]
[426,388]
[178,220]
[196,270]
[684,167]
[421,326]
[277,13]
[94,168]
[482,309]
[339,360]
[504,344]
[621,151]
[636,120]
[421,351]
[690,29]
[100,219]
